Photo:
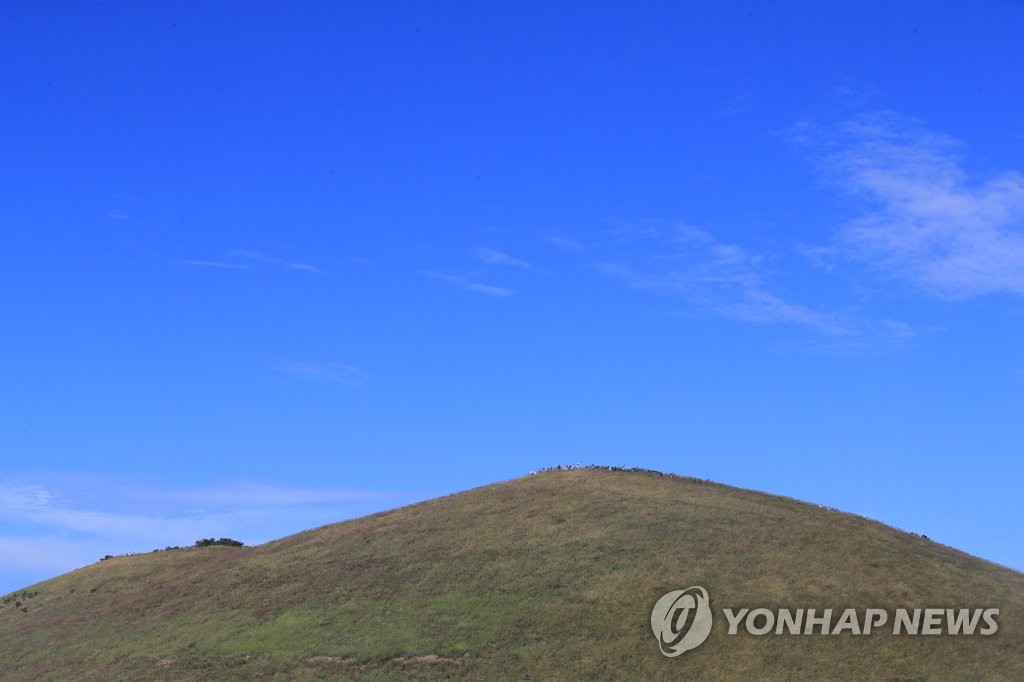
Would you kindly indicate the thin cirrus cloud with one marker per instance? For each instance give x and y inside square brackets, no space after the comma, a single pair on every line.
[688,262]
[495,257]
[334,372]
[565,244]
[57,523]
[467,284]
[211,264]
[924,220]
[250,260]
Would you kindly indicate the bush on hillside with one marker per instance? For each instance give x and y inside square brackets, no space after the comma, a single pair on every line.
[209,542]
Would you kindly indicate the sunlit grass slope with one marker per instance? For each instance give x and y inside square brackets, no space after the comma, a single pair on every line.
[551,576]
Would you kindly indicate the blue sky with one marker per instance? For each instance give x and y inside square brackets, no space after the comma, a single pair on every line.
[268,266]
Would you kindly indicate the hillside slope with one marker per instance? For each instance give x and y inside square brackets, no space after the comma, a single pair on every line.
[552,576]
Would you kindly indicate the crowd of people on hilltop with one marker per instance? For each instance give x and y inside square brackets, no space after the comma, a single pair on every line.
[601,467]
[562,467]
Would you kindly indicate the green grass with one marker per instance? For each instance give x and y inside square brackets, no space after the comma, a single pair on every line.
[547,577]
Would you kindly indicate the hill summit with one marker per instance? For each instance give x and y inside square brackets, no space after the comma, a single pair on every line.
[552,576]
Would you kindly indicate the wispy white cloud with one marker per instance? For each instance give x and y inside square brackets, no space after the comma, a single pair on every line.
[852,92]
[495,257]
[57,523]
[563,243]
[688,262]
[467,284]
[487,289]
[258,258]
[756,305]
[211,264]
[326,371]
[250,260]
[925,220]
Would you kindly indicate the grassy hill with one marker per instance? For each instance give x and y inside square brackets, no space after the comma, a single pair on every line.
[552,576]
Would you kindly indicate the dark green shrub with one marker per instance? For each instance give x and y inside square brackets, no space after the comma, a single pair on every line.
[208,542]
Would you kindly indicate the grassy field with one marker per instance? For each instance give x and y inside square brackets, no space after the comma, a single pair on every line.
[552,576]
